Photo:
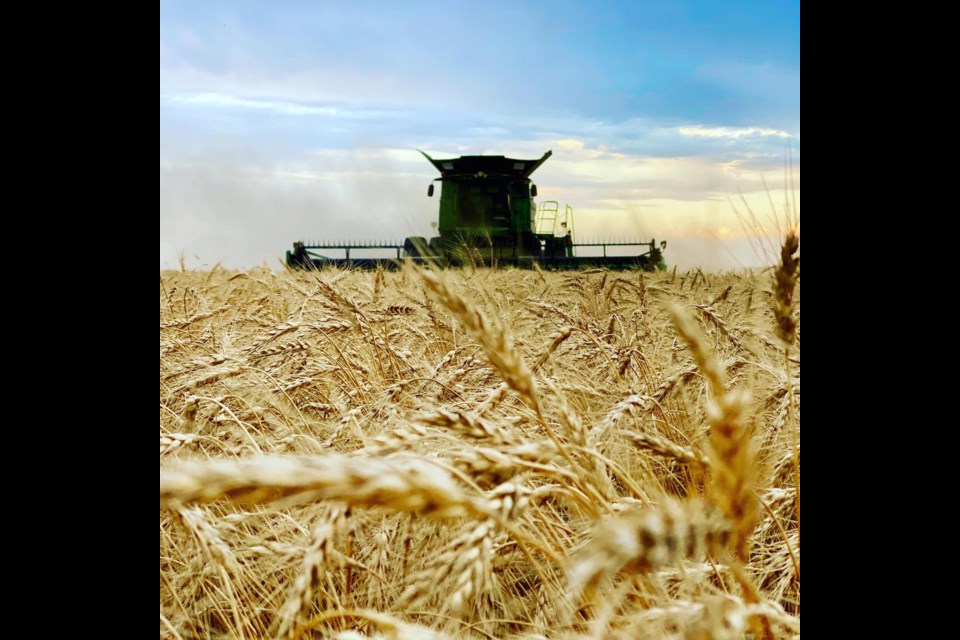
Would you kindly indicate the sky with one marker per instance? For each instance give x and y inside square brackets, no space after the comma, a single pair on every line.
[282,121]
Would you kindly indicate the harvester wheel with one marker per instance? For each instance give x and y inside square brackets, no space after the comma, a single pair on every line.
[415,246]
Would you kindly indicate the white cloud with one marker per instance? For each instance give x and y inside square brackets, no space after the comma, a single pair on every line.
[225,101]
[220,100]
[733,133]
[570,143]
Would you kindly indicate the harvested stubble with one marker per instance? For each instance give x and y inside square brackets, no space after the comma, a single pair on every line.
[477,454]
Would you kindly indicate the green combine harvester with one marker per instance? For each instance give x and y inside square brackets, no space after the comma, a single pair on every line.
[488,217]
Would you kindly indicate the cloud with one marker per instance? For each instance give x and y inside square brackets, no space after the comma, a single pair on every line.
[243,209]
[232,102]
[733,133]
[570,143]
[223,101]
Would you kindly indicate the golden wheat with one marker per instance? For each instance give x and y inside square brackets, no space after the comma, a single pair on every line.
[479,453]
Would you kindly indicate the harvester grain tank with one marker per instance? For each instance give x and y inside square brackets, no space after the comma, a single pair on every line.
[488,216]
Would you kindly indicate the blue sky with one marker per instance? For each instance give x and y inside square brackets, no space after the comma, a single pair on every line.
[289,120]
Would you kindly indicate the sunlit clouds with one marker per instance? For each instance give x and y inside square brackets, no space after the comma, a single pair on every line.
[700,131]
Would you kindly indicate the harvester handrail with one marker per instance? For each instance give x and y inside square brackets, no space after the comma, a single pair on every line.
[351,244]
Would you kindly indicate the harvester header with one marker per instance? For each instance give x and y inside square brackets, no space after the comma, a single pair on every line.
[487,216]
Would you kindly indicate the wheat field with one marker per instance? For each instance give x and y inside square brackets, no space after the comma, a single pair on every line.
[480,454]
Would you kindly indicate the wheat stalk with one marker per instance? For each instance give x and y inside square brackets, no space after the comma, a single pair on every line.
[498,349]
[645,539]
[315,560]
[661,446]
[411,484]
[785,281]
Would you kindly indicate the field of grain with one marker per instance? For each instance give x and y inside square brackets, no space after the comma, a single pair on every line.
[479,454]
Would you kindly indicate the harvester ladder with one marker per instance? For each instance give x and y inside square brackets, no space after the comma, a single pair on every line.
[547,214]
[548,217]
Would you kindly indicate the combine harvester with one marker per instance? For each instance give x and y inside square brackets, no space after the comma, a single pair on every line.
[488,217]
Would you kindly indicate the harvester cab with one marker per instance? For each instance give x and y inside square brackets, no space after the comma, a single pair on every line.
[487,211]
[488,216]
